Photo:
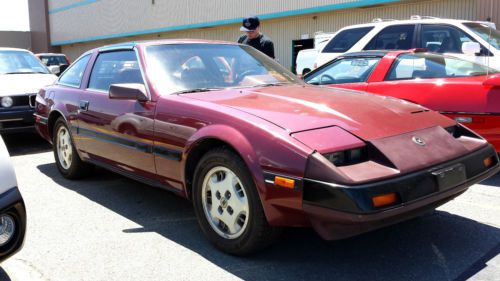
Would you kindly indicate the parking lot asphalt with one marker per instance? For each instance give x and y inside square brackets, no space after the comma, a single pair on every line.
[107,227]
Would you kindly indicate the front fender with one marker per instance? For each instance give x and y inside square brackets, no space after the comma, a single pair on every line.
[281,207]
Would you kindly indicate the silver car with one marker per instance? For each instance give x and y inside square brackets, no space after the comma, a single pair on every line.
[12,208]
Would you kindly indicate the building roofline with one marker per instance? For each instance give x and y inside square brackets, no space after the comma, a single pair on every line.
[298,12]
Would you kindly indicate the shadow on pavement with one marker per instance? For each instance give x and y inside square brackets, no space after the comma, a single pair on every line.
[25,143]
[441,246]
[3,275]
[493,181]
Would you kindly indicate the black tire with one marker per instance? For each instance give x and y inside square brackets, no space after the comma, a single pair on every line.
[77,169]
[257,234]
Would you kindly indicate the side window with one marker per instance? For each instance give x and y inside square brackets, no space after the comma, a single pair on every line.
[397,37]
[347,70]
[73,75]
[343,41]
[443,38]
[114,68]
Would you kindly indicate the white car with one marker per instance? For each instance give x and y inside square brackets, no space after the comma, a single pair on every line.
[12,208]
[21,76]
[470,40]
[306,58]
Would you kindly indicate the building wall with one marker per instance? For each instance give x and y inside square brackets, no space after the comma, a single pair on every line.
[15,39]
[489,9]
[284,30]
[39,27]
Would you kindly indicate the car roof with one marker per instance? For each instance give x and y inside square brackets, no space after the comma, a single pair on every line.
[131,45]
[389,22]
[50,54]
[371,53]
[14,49]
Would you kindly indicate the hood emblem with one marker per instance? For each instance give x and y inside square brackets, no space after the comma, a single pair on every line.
[418,141]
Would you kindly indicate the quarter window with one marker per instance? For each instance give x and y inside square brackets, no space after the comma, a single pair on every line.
[343,41]
[427,65]
[73,75]
[115,68]
[443,38]
[397,37]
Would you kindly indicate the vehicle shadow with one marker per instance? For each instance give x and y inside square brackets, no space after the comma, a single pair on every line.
[25,143]
[492,181]
[440,246]
[4,276]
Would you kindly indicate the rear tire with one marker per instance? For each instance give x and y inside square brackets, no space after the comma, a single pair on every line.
[68,162]
[228,206]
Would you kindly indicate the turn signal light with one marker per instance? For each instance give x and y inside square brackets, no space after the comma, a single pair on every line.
[284,182]
[488,162]
[384,200]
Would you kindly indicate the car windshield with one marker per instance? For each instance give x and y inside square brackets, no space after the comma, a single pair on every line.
[427,65]
[344,70]
[14,62]
[176,68]
[487,33]
[53,60]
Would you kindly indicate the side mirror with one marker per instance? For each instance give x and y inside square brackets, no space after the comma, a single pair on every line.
[492,81]
[471,48]
[128,91]
[54,69]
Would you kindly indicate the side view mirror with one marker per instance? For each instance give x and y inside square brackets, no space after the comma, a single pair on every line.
[128,91]
[492,81]
[471,48]
[54,69]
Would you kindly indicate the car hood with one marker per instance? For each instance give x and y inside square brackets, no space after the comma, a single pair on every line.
[300,108]
[21,84]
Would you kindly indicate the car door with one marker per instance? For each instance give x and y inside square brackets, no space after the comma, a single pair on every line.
[119,133]
[434,81]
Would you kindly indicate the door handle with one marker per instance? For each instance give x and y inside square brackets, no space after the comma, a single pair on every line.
[84,105]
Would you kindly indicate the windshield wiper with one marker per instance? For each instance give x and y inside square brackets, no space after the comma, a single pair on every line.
[197,90]
[271,84]
[25,72]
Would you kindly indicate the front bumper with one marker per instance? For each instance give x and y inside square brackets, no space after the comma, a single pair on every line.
[12,203]
[17,120]
[339,211]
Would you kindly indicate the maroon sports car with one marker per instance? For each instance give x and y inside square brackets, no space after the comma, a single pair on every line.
[252,146]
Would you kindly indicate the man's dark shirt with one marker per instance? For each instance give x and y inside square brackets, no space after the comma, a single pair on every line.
[261,43]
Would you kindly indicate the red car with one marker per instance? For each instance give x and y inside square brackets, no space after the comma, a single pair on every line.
[252,146]
[459,89]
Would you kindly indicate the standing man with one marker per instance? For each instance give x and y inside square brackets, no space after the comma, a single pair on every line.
[253,37]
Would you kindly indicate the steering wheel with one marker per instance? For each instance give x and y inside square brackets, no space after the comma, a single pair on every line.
[246,73]
[328,77]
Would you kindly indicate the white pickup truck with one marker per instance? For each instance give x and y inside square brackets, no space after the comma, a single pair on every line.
[306,58]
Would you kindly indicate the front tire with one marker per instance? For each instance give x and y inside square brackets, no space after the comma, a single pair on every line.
[228,206]
[68,162]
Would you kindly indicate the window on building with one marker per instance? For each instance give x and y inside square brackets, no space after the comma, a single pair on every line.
[73,75]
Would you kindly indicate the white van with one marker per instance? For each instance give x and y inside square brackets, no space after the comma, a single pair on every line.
[470,40]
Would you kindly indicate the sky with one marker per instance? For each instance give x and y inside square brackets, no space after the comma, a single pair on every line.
[14,15]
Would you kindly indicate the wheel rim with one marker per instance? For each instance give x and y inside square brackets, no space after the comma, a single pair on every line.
[64,147]
[225,202]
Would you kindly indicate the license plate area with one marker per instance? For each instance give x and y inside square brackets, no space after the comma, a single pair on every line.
[449,177]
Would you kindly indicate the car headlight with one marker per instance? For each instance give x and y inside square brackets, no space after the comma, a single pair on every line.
[7,228]
[347,157]
[7,102]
